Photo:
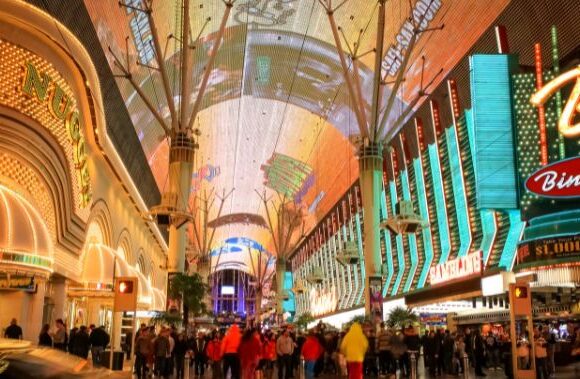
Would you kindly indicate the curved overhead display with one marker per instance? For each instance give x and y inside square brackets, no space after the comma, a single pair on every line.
[276,88]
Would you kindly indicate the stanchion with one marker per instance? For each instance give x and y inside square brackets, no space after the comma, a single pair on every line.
[302,373]
[413,364]
[465,366]
[186,367]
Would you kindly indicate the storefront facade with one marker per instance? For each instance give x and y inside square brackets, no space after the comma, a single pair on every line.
[69,210]
[462,163]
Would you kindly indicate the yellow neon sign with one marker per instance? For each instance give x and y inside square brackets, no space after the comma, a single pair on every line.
[40,86]
[566,124]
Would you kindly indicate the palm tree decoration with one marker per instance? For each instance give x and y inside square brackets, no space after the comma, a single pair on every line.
[286,233]
[304,319]
[400,317]
[262,271]
[191,289]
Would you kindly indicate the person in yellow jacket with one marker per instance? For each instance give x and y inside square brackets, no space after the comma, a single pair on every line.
[354,345]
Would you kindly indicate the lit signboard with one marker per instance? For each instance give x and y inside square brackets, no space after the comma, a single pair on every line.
[560,179]
[549,248]
[460,267]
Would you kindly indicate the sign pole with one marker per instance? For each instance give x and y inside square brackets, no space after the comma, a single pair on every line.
[521,311]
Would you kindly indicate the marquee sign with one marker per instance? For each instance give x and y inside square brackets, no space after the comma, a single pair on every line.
[557,180]
[15,282]
[549,248]
[457,268]
[323,301]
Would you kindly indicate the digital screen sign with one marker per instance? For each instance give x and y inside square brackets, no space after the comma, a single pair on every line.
[277,87]
[228,290]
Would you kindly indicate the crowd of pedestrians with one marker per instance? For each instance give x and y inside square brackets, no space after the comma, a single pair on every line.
[361,351]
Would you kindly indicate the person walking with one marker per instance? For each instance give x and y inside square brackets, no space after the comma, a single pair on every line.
[214,355]
[143,348]
[354,346]
[541,346]
[161,350]
[268,355]
[60,338]
[44,338]
[384,347]
[80,343]
[311,352]
[250,353]
[179,352]
[284,350]
[230,346]
[199,354]
[13,331]
[99,339]
[478,349]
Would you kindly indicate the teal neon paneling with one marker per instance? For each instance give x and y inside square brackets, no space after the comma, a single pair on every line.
[388,249]
[290,304]
[424,212]
[399,239]
[494,154]
[463,223]
[440,204]
[412,237]
[362,282]
[489,232]
[508,254]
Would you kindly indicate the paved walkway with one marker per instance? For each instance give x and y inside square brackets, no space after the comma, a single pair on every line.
[567,372]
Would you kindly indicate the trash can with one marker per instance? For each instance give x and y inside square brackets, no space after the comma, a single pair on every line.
[117,359]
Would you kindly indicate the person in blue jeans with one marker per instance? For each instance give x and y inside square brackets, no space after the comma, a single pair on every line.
[311,351]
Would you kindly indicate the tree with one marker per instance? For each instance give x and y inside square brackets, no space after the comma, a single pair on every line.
[401,316]
[304,319]
[191,289]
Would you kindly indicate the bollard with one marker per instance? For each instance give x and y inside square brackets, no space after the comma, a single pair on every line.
[186,367]
[302,373]
[465,366]
[413,362]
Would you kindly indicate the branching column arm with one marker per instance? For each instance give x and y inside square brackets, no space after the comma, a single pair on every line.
[196,106]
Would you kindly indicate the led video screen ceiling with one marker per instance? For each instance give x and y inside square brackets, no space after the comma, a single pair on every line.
[276,103]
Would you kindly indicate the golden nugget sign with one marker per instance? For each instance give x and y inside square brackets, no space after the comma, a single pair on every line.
[45,90]
[457,268]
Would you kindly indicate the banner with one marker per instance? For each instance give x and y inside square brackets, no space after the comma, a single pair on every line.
[376,297]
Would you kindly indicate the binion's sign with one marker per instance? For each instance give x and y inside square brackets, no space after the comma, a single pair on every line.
[557,180]
[457,268]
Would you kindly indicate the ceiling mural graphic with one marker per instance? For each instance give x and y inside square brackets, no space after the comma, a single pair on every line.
[276,116]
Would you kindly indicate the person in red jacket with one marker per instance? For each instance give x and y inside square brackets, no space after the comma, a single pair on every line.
[250,353]
[214,354]
[311,351]
[230,345]
[268,355]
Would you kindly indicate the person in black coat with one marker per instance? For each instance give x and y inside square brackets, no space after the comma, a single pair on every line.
[44,338]
[80,343]
[478,353]
[99,339]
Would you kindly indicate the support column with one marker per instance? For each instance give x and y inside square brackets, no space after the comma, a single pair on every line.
[32,322]
[280,273]
[58,292]
[116,335]
[371,179]
[177,196]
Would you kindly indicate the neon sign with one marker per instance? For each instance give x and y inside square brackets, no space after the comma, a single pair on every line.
[61,106]
[566,124]
[560,179]
[323,301]
[207,172]
[423,13]
[461,267]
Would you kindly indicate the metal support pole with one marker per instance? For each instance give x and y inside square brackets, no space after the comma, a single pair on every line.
[465,366]
[180,171]
[413,364]
[371,182]
[302,373]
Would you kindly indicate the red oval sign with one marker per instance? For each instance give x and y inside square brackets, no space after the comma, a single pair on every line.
[560,179]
